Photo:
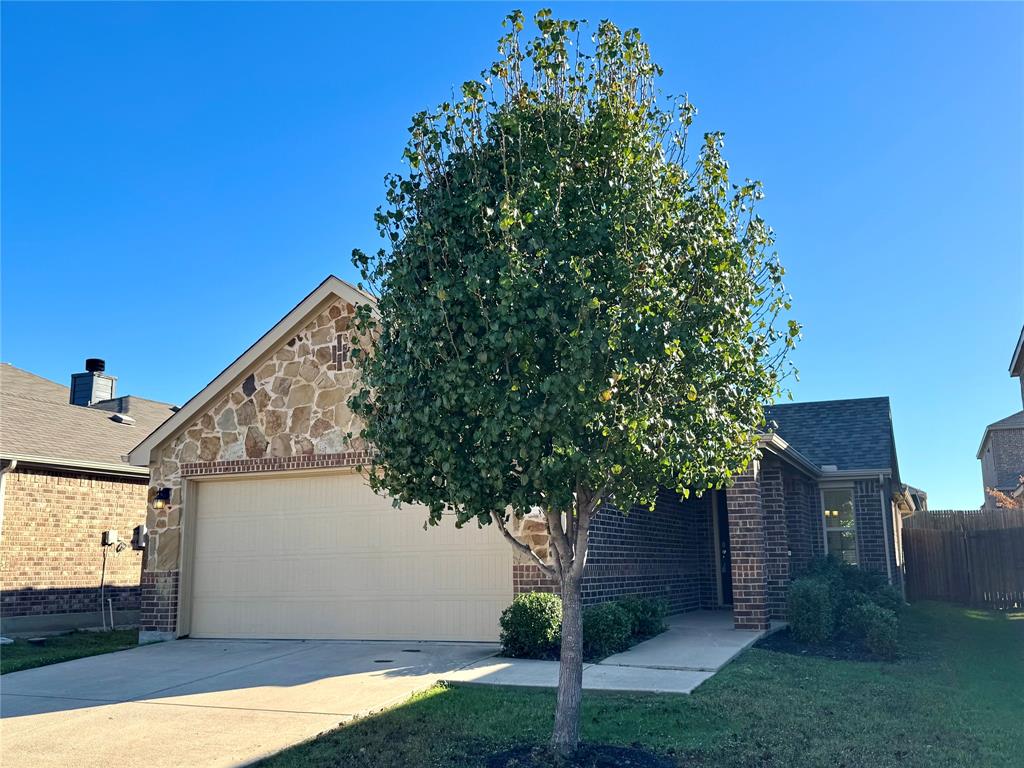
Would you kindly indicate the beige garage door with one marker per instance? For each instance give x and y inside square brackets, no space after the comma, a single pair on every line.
[320,556]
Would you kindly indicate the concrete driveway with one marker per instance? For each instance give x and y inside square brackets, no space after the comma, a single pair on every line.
[208,702]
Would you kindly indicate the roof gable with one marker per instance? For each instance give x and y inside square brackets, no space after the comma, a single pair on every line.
[331,289]
[848,434]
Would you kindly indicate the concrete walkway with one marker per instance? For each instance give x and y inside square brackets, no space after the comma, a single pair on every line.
[693,648]
[207,702]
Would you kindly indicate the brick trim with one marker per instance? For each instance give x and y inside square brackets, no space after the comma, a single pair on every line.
[159,601]
[527,577]
[277,464]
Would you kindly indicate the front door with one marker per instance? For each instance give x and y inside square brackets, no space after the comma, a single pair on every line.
[724,557]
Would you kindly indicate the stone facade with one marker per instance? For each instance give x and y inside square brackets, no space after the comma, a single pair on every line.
[288,411]
[51,557]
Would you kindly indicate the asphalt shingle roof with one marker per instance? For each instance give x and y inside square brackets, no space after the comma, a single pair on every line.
[1012,421]
[851,434]
[38,422]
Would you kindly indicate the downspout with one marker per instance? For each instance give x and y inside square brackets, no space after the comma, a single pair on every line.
[3,489]
[890,540]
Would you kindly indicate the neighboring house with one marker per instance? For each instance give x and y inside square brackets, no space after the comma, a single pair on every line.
[918,497]
[64,482]
[271,532]
[1002,446]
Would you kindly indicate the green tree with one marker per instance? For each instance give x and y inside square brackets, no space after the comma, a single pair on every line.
[571,311]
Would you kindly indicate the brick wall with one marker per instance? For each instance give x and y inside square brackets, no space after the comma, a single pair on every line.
[798,522]
[871,529]
[700,522]
[749,558]
[1002,461]
[776,535]
[50,552]
[664,553]
[660,553]
[159,602]
[804,521]
[817,520]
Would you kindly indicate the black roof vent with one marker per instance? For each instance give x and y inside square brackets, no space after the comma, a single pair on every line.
[95,365]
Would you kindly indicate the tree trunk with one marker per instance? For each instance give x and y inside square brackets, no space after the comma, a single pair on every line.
[566,736]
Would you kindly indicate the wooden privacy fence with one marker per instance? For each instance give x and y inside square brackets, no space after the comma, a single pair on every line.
[965,563]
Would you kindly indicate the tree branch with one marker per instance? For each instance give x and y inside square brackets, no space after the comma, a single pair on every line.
[586,502]
[556,534]
[546,569]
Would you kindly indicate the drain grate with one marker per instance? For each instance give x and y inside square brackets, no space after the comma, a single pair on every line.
[383,661]
[411,650]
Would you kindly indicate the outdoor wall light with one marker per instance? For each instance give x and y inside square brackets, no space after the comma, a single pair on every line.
[161,498]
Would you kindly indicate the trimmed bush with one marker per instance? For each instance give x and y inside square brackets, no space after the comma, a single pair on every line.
[876,626]
[888,597]
[810,610]
[531,627]
[647,615]
[607,629]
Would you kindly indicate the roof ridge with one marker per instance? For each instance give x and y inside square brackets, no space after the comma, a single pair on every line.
[36,376]
[876,398]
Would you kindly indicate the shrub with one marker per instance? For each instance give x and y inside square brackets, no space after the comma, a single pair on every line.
[810,610]
[647,615]
[531,627]
[850,586]
[607,629]
[889,598]
[876,626]
[856,579]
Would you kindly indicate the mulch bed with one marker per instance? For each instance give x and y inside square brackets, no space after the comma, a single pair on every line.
[838,649]
[587,756]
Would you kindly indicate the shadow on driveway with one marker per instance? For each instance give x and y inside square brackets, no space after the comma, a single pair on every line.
[230,701]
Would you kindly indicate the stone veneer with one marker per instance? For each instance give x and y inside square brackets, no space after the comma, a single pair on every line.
[289,411]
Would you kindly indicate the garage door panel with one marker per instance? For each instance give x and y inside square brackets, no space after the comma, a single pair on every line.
[321,556]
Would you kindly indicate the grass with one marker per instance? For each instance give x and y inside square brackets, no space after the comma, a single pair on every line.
[21,654]
[954,699]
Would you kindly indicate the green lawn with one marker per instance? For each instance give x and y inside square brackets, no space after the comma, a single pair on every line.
[955,699]
[21,654]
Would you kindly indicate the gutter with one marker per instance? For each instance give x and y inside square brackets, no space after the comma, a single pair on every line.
[781,448]
[890,536]
[99,467]
[3,488]
[855,474]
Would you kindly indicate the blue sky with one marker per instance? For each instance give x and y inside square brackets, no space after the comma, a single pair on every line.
[176,177]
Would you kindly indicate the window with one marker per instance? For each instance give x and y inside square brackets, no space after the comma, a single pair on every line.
[840,526]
